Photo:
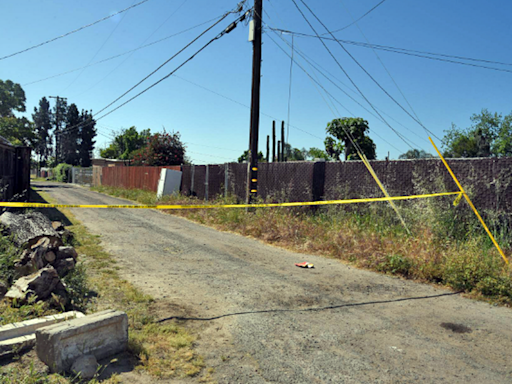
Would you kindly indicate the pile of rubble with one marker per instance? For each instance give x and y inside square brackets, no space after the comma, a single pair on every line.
[45,258]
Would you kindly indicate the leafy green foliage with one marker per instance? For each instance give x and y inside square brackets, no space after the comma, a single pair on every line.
[416,154]
[315,153]
[62,172]
[161,149]
[342,131]
[8,254]
[245,157]
[125,144]
[19,131]
[489,135]
[12,98]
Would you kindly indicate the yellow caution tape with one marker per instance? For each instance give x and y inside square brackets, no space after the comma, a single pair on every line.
[462,192]
[293,204]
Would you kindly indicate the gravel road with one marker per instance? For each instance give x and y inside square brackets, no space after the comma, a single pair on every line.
[371,336]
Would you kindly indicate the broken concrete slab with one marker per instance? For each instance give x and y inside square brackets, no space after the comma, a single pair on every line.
[85,367]
[20,336]
[101,334]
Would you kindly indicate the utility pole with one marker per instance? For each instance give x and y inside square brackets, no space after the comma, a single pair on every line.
[273,141]
[268,148]
[283,155]
[252,173]
[57,125]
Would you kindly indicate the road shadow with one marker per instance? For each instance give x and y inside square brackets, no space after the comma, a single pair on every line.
[52,213]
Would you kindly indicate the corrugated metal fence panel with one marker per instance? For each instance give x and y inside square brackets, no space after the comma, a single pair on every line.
[133,177]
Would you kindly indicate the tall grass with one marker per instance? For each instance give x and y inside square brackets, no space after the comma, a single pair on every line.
[447,245]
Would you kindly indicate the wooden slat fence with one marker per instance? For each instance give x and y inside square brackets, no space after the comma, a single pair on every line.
[133,177]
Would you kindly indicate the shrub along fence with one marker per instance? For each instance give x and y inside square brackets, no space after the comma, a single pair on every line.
[131,177]
[488,180]
[14,172]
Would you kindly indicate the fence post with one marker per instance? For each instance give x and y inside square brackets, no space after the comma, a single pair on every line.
[192,180]
[206,183]
[226,179]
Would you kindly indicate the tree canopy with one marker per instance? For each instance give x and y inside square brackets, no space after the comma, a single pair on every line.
[12,98]
[341,132]
[490,134]
[245,157]
[125,144]
[415,154]
[161,149]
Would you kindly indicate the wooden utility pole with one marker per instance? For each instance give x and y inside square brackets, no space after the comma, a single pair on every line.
[283,155]
[252,173]
[268,147]
[273,141]
[279,151]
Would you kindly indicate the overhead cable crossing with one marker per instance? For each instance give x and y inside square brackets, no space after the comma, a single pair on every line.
[74,31]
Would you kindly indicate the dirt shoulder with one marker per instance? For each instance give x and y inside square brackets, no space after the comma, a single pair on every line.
[365,333]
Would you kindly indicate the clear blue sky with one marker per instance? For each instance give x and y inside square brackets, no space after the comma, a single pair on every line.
[215,129]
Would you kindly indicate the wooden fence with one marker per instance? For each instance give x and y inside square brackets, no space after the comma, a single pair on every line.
[132,177]
[14,172]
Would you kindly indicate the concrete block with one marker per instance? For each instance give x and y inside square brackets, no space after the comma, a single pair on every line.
[21,336]
[101,334]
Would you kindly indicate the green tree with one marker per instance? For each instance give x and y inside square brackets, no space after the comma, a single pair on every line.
[161,149]
[42,118]
[59,117]
[490,134]
[18,131]
[12,98]
[86,136]
[342,131]
[315,153]
[415,154]
[125,144]
[68,137]
[245,157]
[293,154]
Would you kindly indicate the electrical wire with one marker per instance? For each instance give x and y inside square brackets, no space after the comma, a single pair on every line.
[74,31]
[166,62]
[345,72]
[411,52]
[360,18]
[367,73]
[228,29]
[124,53]
[290,94]
[131,54]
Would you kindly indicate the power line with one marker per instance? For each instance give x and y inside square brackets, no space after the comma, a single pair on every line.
[74,31]
[317,66]
[98,51]
[366,72]
[167,61]
[360,18]
[147,38]
[411,52]
[124,53]
[315,81]
[345,72]
[228,29]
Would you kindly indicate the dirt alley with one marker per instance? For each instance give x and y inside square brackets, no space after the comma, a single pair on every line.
[195,270]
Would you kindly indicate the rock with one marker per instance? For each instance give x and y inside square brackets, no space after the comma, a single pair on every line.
[85,367]
[50,256]
[67,252]
[27,229]
[63,266]
[58,226]
[40,284]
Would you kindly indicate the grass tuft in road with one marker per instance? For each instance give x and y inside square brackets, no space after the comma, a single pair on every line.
[447,246]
